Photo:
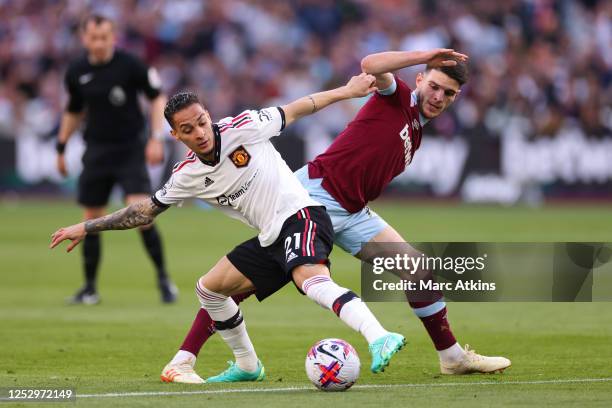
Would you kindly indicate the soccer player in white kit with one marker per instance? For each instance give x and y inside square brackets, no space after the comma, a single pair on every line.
[234,167]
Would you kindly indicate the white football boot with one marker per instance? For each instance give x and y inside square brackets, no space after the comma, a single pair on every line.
[181,373]
[475,363]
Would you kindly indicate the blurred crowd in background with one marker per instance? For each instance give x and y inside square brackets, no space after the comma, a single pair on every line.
[547,62]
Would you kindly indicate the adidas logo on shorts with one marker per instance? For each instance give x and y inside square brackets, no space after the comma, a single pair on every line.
[208,181]
[291,256]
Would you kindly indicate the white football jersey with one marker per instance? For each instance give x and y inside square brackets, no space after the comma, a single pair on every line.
[248,179]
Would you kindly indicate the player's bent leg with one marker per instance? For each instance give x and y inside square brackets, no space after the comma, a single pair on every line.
[431,310]
[202,328]
[152,242]
[88,294]
[213,291]
[318,286]
[181,369]
[226,279]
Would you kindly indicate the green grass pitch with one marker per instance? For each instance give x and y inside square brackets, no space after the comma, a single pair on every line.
[561,353]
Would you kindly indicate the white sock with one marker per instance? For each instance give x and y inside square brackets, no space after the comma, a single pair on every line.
[240,343]
[184,357]
[357,315]
[452,354]
[221,309]
[354,313]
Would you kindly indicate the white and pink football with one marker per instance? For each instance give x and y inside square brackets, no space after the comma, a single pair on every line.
[332,365]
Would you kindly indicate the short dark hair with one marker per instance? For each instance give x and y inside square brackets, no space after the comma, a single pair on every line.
[458,72]
[97,19]
[179,102]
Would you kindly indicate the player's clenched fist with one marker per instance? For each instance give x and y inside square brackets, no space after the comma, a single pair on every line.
[74,233]
[361,85]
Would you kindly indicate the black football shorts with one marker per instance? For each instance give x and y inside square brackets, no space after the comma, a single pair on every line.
[307,237]
[98,178]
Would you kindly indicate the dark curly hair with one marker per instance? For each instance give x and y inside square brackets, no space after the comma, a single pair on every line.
[179,102]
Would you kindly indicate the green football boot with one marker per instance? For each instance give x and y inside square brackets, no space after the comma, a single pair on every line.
[383,349]
[236,374]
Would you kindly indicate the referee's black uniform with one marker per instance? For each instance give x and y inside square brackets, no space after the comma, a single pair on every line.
[115,126]
[115,140]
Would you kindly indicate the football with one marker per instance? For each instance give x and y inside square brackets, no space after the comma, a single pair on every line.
[332,365]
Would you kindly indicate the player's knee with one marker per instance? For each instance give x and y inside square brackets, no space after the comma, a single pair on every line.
[215,281]
[203,285]
[222,309]
[225,279]
[206,294]
[307,271]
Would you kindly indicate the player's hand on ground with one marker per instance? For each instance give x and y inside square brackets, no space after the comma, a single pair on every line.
[443,57]
[61,165]
[74,233]
[361,85]
[154,151]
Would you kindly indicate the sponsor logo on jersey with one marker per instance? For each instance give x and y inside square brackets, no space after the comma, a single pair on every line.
[264,115]
[117,96]
[240,157]
[208,181]
[223,200]
[164,190]
[405,136]
[228,199]
[415,125]
[85,78]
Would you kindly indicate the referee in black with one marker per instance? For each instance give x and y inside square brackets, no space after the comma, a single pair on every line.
[103,88]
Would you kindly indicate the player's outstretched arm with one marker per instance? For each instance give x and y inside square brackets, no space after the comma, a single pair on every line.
[135,215]
[383,63]
[359,86]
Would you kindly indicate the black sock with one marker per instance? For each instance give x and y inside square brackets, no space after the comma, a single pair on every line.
[152,242]
[91,259]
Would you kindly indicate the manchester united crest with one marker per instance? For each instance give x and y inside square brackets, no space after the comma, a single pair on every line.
[240,157]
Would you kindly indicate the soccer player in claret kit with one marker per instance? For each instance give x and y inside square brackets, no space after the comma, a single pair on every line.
[103,86]
[234,167]
[374,148]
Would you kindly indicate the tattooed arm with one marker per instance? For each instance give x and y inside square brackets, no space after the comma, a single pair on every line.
[140,213]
